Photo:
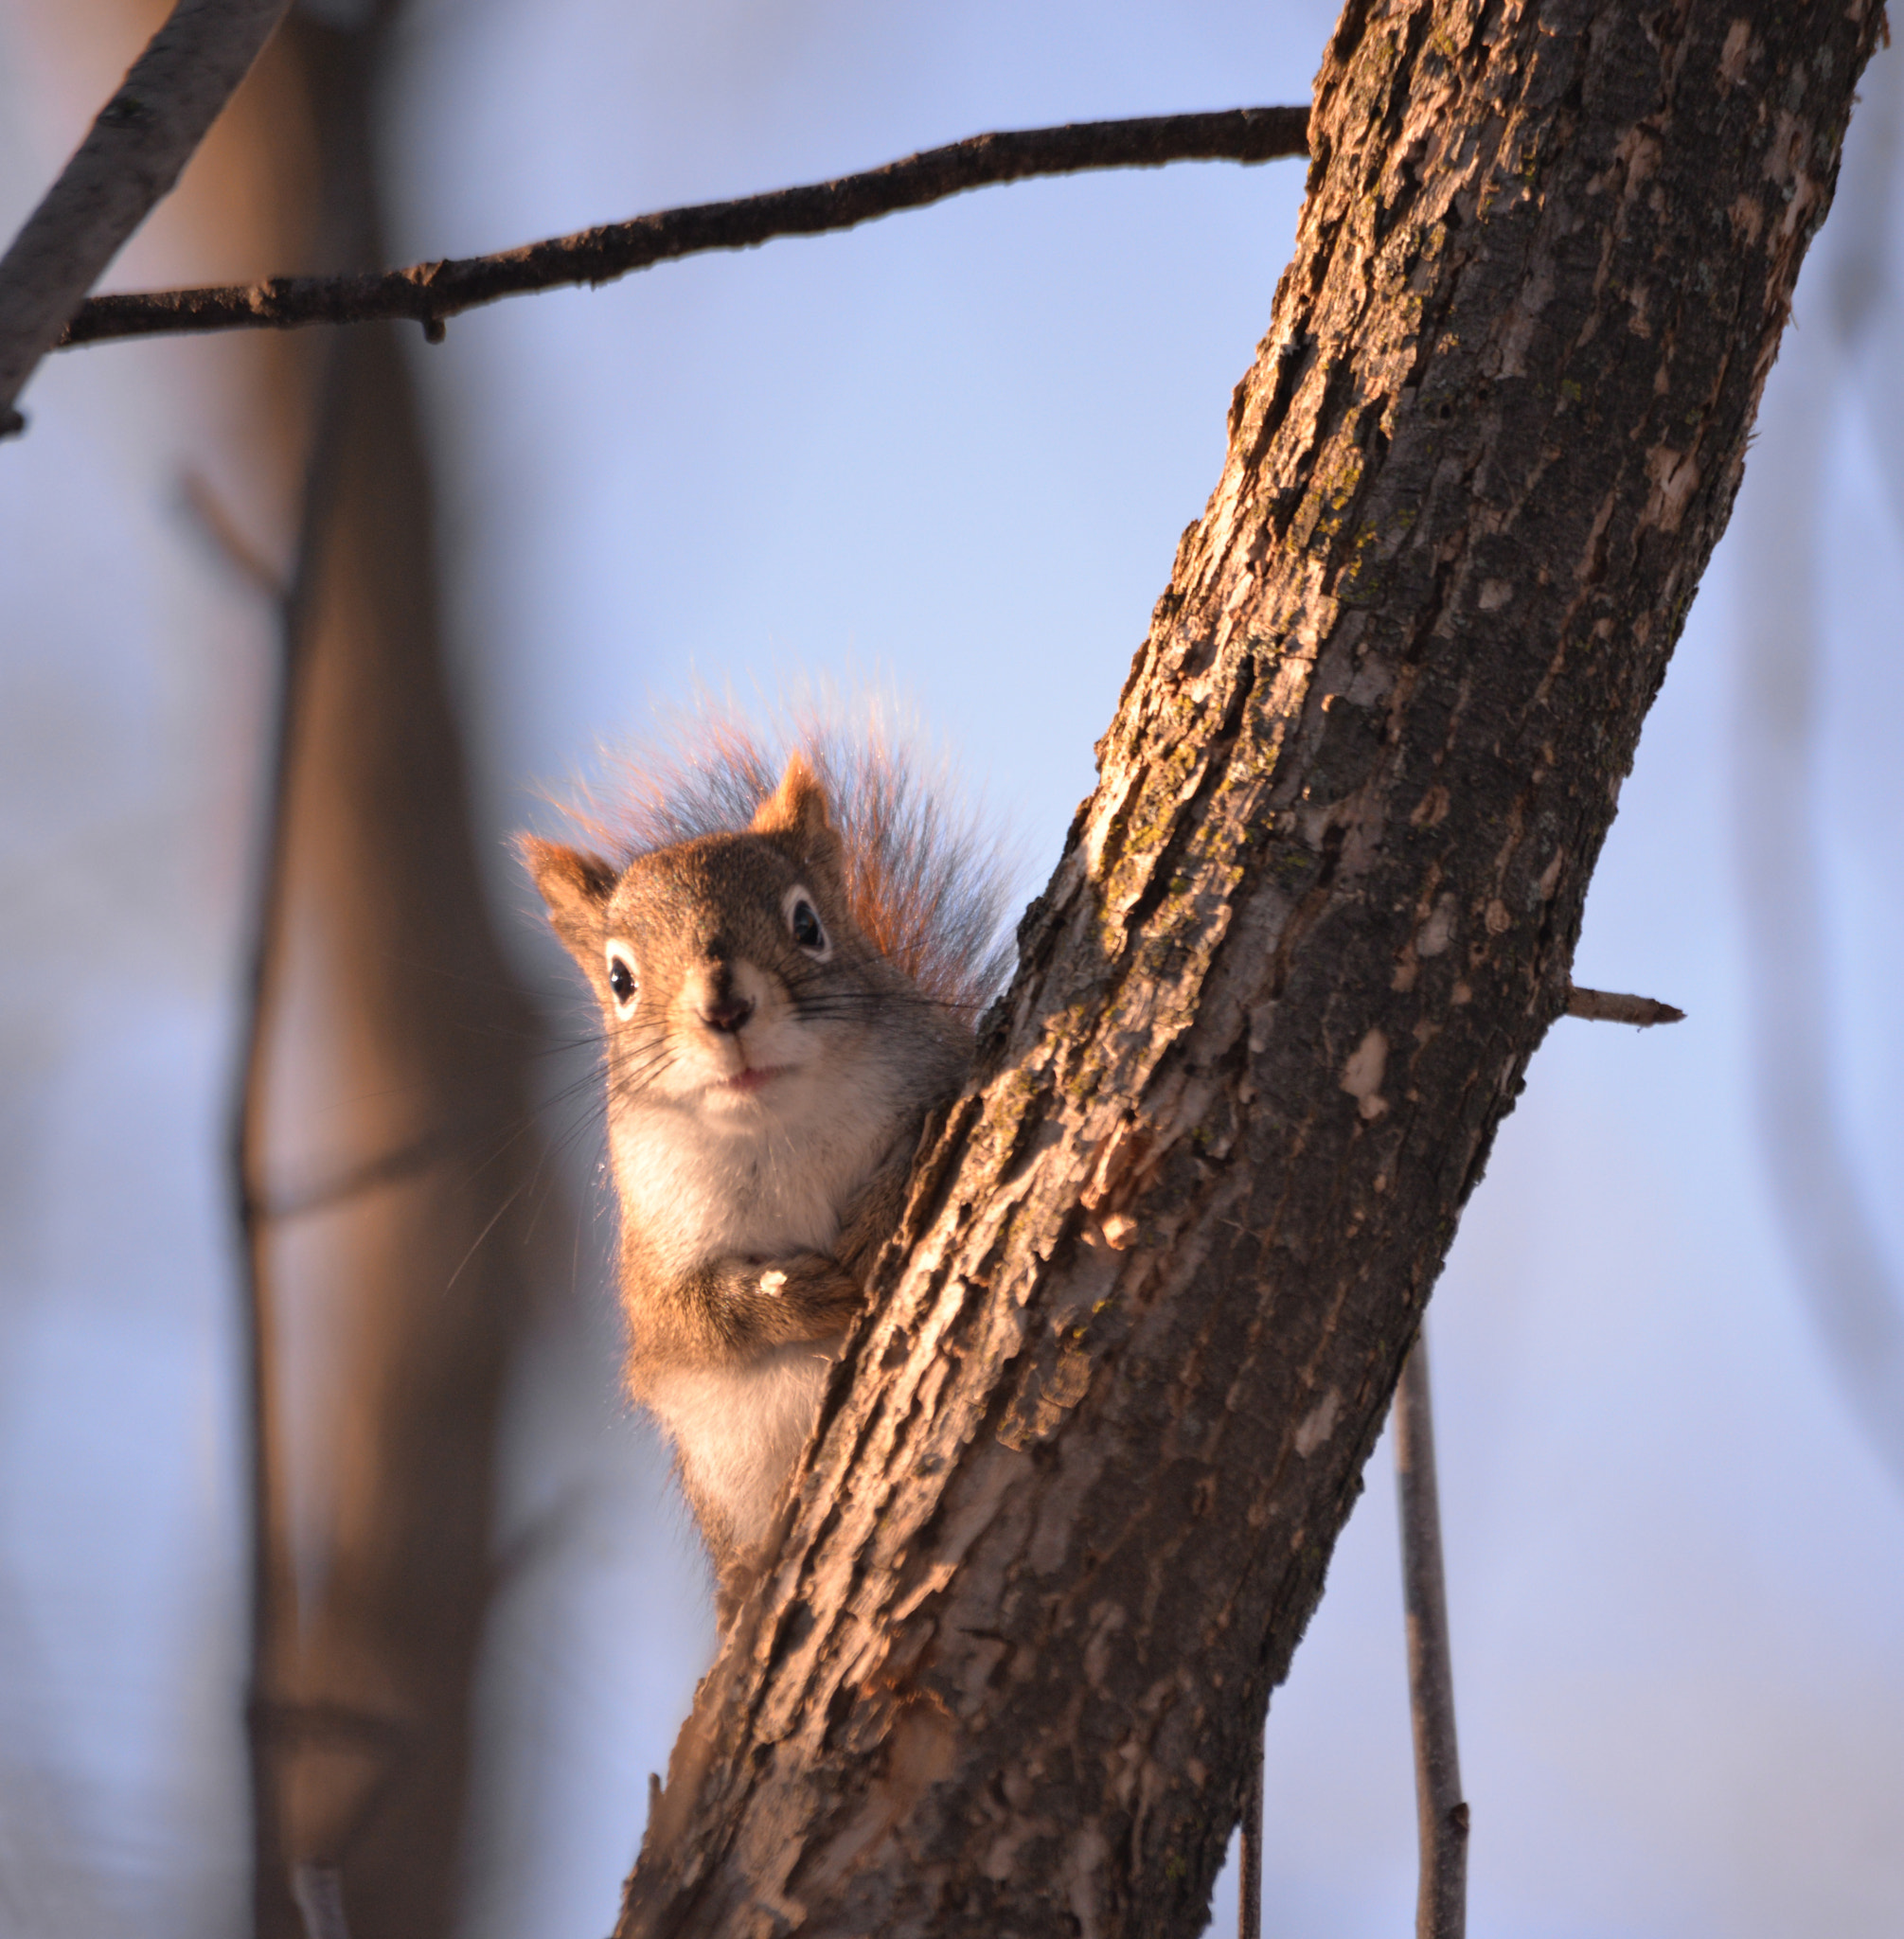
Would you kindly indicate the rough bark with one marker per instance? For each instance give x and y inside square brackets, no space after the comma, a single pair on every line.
[1071,1504]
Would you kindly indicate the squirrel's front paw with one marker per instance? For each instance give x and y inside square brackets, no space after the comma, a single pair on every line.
[806,1296]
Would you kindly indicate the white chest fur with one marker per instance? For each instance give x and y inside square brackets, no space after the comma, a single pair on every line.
[739,1429]
[769,1177]
[765,1181]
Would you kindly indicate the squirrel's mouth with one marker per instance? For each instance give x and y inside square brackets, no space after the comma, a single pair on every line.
[746,1082]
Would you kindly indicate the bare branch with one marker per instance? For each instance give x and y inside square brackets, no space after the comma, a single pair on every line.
[138,143]
[1608,1007]
[427,292]
[1441,1900]
[1249,1889]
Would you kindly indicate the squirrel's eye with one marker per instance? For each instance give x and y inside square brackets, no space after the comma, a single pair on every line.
[805,922]
[621,980]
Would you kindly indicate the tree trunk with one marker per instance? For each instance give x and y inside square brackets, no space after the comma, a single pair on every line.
[1073,1499]
[385,1168]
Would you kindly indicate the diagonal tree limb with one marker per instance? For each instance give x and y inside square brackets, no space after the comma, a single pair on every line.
[1073,1498]
[138,144]
[427,292]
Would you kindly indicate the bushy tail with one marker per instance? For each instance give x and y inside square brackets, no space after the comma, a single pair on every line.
[929,882]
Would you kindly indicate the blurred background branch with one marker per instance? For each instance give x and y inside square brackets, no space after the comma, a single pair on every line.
[386,1022]
[1845,355]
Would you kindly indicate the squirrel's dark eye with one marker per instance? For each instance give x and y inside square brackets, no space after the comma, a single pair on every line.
[620,979]
[805,923]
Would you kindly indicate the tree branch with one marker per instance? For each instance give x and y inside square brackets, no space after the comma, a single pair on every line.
[1250,1851]
[427,292]
[1073,1496]
[1441,1901]
[1609,1007]
[138,143]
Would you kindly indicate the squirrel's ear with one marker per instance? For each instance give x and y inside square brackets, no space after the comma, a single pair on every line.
[577,886]
[799,808]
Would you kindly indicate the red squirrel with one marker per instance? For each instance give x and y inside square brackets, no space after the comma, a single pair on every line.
[783,1005]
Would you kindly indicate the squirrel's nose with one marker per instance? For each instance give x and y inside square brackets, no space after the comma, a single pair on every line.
[726,1011]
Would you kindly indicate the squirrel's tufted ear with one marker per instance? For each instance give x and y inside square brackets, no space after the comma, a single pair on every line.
[799,808]
[577,886]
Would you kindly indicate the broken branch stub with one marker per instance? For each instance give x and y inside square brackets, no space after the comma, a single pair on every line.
[1613,1006]
[1073,1499]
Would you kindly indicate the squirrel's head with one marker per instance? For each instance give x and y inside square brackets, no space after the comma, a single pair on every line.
[729,968]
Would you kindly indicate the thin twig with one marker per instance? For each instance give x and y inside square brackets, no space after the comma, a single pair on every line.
[138,143]
[427,292]
[1608,1007]
[352,1181]
[539,1538]
[215,523]
[1441,1900]
[1250,1888]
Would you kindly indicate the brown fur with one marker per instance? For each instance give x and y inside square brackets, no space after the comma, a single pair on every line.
[928,884]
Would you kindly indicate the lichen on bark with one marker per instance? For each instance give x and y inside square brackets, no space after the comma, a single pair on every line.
[1073,1499]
